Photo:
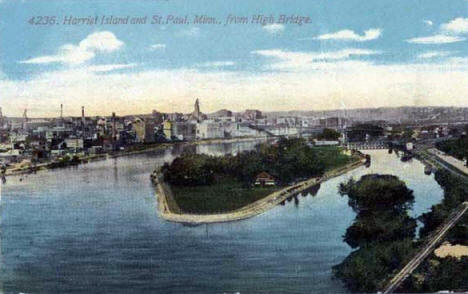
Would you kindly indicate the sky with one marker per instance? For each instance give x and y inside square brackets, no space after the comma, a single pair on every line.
[346,54]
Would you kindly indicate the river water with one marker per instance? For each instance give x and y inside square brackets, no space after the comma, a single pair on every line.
[95,229]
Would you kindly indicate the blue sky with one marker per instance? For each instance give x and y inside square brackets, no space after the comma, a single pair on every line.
[351,54]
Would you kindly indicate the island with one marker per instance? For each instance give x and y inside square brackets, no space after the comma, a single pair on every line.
[385,237]
[198,188]
[382,233]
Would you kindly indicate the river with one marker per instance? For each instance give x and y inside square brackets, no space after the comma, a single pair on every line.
[95,229]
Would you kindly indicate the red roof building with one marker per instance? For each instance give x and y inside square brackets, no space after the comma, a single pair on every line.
[265,179]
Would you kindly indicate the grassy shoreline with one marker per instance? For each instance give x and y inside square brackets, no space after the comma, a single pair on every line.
[165,198]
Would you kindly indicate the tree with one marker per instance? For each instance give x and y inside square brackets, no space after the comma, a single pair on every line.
[329,134]
[383,231]
[377,192]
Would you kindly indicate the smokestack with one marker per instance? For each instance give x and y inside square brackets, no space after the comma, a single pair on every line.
[82,116]
[82,123]
[114,133]
[61,111]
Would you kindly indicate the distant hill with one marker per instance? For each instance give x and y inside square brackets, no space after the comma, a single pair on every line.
[392,114]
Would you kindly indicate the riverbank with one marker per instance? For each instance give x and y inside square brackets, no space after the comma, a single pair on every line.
[28,169]
[430,157]
[450,160]
[168,209]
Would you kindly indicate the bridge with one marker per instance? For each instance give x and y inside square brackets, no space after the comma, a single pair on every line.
[367,145]
[431,242]
[260,129]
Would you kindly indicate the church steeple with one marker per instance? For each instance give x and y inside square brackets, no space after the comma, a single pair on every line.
[196,112]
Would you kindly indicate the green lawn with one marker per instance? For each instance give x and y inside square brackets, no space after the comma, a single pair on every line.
[333,157]
[226,195]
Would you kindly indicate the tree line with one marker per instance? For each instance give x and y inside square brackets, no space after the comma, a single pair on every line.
[288,160]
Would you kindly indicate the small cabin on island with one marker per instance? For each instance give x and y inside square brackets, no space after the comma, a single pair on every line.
[264,179]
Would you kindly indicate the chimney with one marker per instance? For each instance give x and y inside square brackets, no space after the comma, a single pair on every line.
[82,115]
[82,123]
[114,133]
[61,111]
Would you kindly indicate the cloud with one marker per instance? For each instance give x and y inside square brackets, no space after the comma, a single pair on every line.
[302,61]
[353,84]
[217,64]
[315,56]
[450,32]
[155,47]
[456,26]
[314,61]
[428,22]
[70,54]
[436,39]
[434,54]
[349,35]
[109,67]
[274,28]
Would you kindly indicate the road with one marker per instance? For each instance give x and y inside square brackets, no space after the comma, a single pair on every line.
[422,149]
[433,240]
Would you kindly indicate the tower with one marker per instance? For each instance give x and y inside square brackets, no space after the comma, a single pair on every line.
[196,112]
[25,119]
[60,121]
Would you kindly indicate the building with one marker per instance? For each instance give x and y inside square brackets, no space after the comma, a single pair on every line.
[326,143]
[209,129]
[282,130]
[222,114]
[180,130]
[265,179]
[176,116]
[252,114]
[197,114]
[145,130]
[409,146]
[2,121]
[74,143]
[157,116]
[167,129]
[333,122]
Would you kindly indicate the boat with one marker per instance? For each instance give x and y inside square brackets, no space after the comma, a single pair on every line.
[427,169]
[406,157]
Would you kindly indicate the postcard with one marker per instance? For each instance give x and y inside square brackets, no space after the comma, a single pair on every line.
[269,146]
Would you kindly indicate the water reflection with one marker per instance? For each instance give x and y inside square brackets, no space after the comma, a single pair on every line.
[309,192]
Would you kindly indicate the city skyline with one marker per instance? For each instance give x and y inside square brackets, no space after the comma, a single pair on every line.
[402,54]
[61,111]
